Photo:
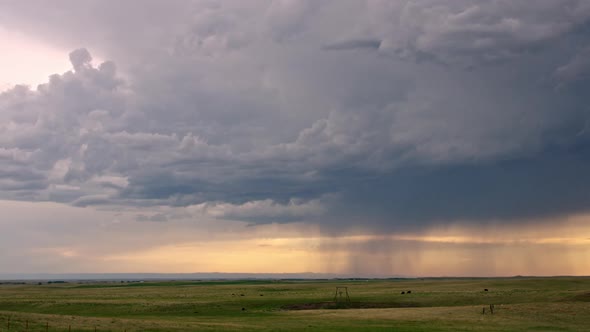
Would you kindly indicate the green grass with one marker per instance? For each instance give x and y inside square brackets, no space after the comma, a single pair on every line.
[522,304]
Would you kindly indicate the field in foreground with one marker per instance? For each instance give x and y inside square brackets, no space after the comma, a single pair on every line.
[521,304]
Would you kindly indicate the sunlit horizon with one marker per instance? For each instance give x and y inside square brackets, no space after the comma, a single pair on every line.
[361,138]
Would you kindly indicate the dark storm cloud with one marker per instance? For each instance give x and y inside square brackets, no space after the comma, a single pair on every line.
[548,185]
[354,44]
[236,110]
[576,70]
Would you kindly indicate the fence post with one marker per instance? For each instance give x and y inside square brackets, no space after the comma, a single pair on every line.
[46,326]
[8,323]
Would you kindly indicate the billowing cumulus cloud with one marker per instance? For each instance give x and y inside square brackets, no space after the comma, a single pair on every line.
[385,114]
[263,211]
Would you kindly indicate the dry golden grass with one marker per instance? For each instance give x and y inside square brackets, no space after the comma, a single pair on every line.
[535,304]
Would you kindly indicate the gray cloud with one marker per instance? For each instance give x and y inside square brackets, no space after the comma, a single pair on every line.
[238,107]
[470,32]
[158,217]
[577,69]
[354,44]
[265,210]
[80,59]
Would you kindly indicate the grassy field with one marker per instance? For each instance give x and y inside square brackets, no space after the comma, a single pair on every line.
[521,304]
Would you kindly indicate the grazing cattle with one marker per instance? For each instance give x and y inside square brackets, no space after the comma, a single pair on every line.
[403,292]
[243,309]
[485,290]
[409,292]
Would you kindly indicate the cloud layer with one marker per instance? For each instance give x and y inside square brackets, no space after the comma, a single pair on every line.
[385,114]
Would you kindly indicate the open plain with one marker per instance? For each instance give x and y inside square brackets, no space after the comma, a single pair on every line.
[434,304]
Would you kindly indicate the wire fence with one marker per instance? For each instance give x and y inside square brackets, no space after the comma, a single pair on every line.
[13,324]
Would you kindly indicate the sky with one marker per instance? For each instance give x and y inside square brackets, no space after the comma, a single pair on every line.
[362,137]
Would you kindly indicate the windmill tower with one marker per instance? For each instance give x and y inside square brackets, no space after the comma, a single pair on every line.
[341,295]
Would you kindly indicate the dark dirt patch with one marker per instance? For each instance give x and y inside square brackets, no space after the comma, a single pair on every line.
[349,305]
[584,297]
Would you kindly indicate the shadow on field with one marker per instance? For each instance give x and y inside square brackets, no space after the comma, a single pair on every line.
[347,305]
[584,297]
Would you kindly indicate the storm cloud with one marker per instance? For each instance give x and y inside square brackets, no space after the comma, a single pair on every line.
[385,114]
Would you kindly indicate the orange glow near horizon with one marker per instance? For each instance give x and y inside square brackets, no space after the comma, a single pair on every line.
[539,250]
[104,243]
